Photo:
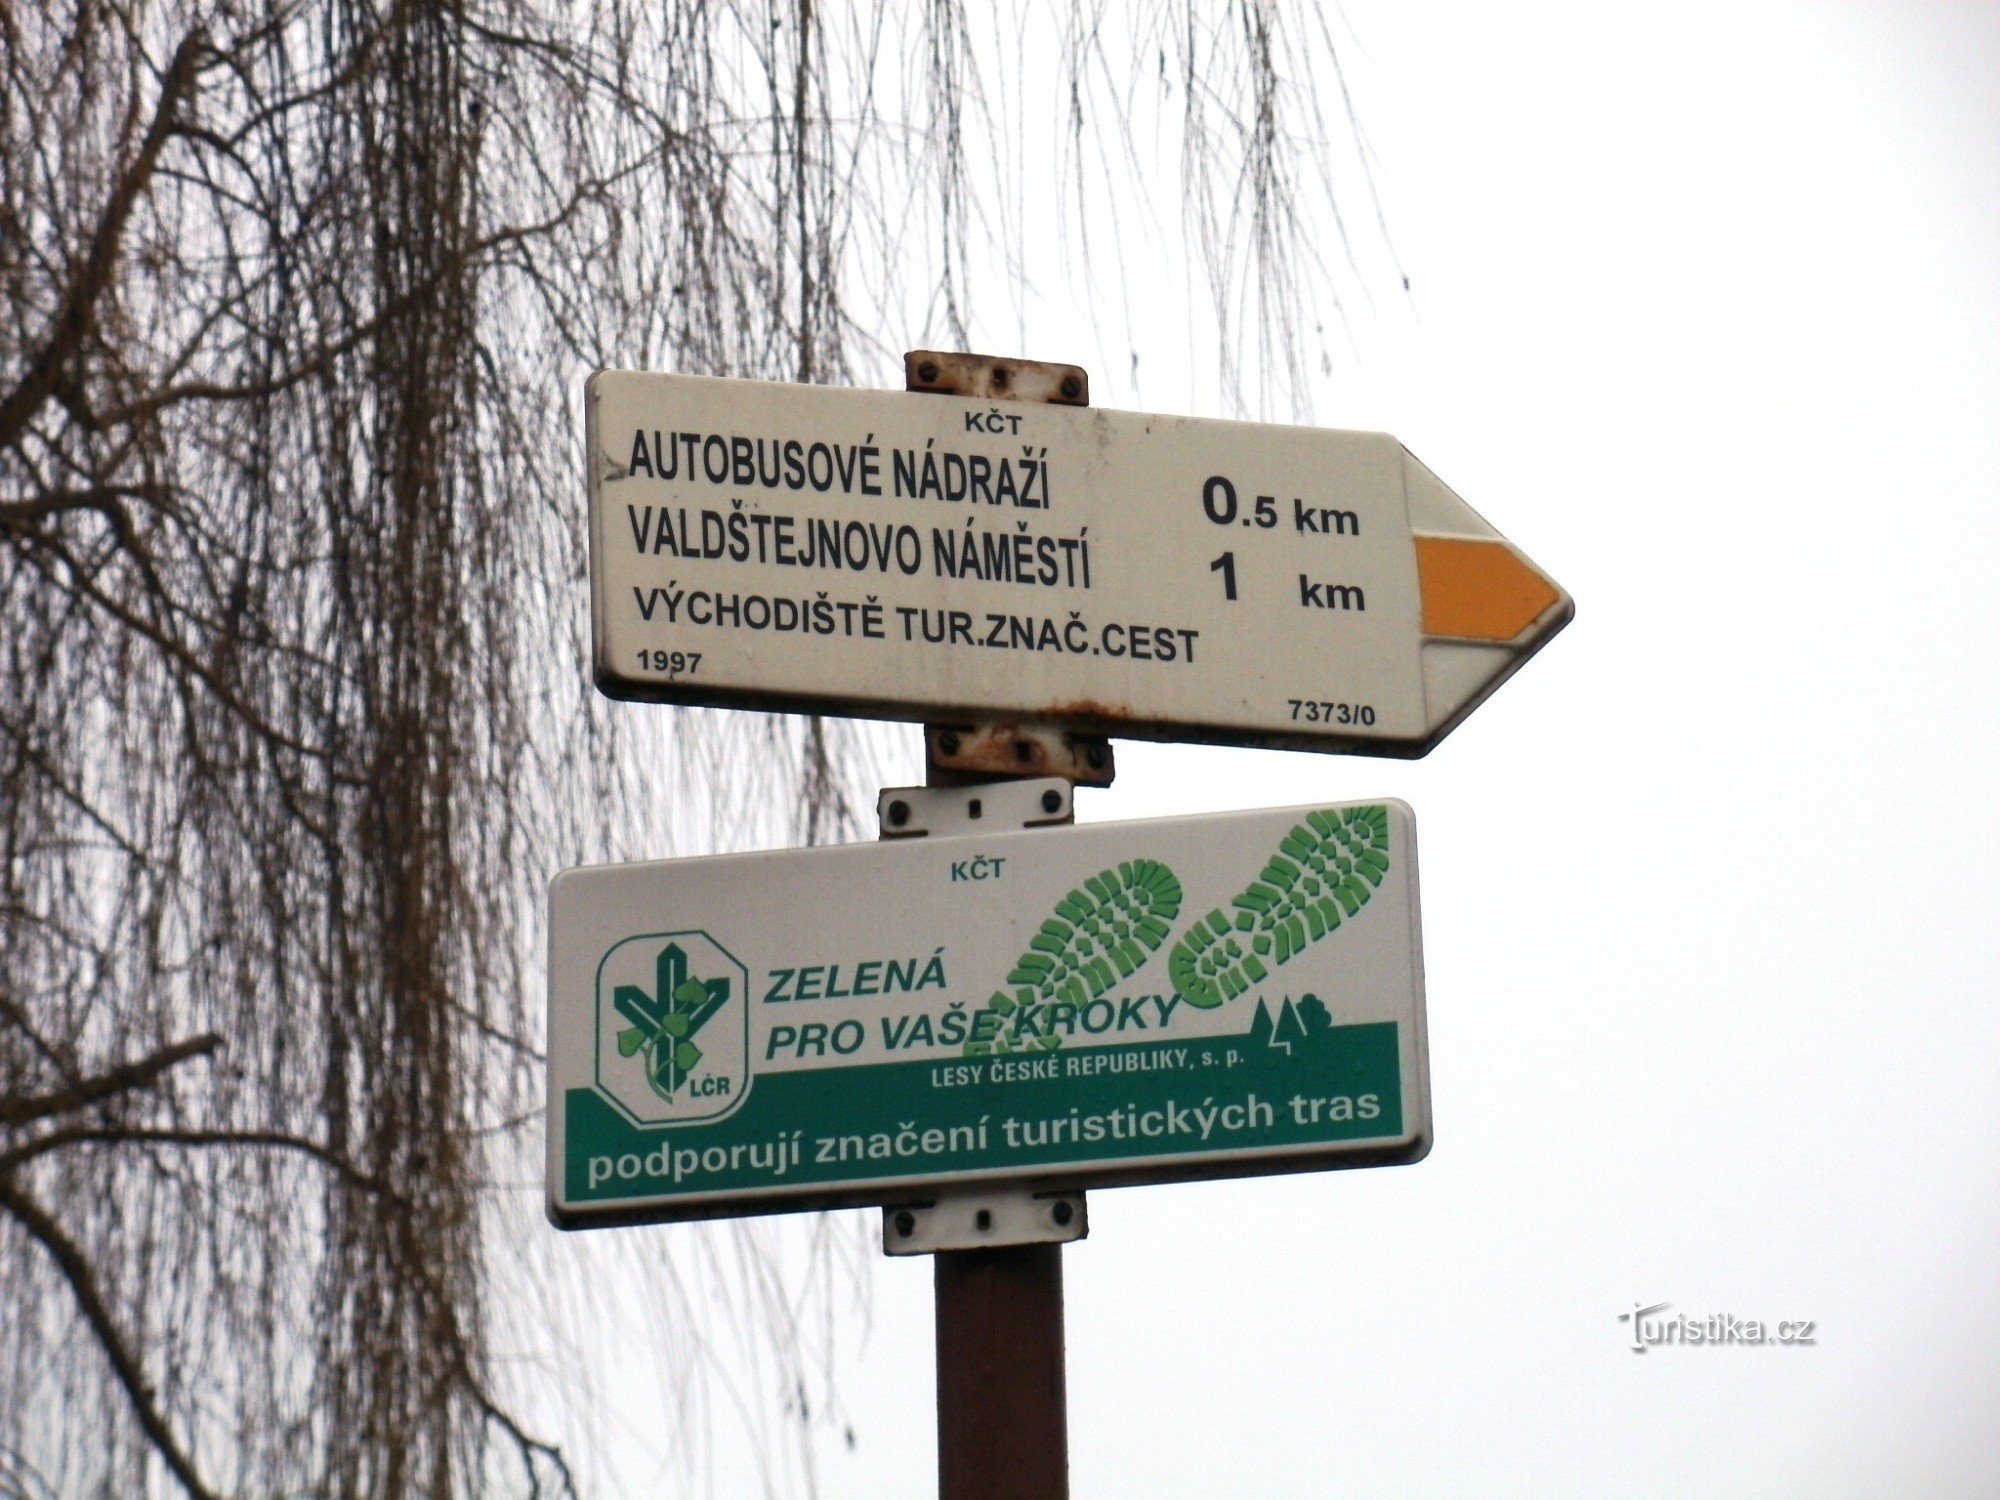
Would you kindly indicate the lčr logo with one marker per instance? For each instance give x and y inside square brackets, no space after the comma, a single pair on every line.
[664,1023]
[673,1040]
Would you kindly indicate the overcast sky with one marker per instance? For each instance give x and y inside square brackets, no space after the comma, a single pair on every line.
[1705,315]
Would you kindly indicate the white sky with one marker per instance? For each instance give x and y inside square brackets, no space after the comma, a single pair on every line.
[1706,317]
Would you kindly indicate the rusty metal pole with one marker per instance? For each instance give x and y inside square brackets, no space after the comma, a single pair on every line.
[1002,1403]
[1003,1415]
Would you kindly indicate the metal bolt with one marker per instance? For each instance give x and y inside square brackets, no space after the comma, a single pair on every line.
[948,743]
[984,1220]
[1023,751]
[999,377]
[1063,1211]
[906,1223]
[899,813]
[927,370]
[1095,757]
[1072,387]
[1051,800]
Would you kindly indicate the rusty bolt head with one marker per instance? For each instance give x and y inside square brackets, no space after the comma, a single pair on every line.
[906,1223]
[1000,376]
[948,743]
[1072,387]
[927,370]
[1094,757]
[1051,800]
[1024,751]
[899,813]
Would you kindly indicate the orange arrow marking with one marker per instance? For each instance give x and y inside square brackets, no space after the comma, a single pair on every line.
[1478,590]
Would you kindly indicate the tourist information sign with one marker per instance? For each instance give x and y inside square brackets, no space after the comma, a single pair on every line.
[921,556]
[1055,1008]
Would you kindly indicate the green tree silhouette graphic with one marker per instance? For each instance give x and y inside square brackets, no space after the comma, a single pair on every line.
[664,1023]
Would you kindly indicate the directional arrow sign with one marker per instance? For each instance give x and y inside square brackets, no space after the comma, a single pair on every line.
[1067,1007]
[927,557]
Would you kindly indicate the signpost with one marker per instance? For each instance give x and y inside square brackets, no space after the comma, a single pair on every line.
[973,1021]
[932,557]
[1056,1008]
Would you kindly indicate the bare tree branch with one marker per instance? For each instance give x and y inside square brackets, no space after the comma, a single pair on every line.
[110,1084]
[77,312]
[269,1140]
[131,1375]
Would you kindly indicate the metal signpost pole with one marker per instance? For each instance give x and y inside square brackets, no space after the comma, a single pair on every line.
[1002,1415]
[1002,1396]
[1003,1418]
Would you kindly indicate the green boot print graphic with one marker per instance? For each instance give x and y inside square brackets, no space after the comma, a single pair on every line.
[1102,932]
[664,1023]
[1325,869]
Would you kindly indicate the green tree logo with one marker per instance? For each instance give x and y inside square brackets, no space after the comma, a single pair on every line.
[1298,1024]
[664,1023]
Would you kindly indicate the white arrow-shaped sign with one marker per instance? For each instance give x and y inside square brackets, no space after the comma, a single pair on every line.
[905,556]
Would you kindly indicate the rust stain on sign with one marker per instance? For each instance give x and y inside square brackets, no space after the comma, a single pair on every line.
[989,377]
[1009,749]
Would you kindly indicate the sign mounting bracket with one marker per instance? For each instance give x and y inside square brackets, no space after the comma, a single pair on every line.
[956,754]
[980,1218]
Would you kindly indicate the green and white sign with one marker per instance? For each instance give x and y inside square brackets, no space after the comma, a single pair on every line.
[762,545]
[1067,1007]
